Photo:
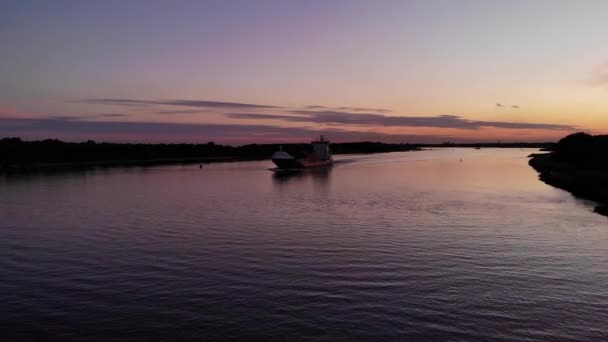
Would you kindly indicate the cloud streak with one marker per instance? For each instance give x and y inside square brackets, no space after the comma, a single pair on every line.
[371,119]
[85,117]
[177,132]
[350,109]
[186,111]
[217,105]
[184,103]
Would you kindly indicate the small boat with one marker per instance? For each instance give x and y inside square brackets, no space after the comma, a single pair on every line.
[319,157]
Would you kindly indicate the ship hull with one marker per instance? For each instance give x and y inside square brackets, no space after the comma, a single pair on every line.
[297,164]
[287,164]
[314,164]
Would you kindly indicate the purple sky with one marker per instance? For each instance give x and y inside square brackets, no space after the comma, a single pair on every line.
[257,71]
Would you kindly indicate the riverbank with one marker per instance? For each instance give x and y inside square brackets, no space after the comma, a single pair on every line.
[18,156]
[578,166]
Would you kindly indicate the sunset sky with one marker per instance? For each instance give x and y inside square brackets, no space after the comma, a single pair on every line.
[280,71]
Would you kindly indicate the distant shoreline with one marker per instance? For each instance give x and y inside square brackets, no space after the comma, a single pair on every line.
[577,165]
[18,156]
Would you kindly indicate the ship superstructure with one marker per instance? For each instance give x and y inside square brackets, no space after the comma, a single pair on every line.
[319,157]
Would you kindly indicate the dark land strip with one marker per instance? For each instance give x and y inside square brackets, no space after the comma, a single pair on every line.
[17,155]
[578,163]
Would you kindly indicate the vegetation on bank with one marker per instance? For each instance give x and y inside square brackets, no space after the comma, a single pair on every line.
[542,145]
[578,164]
[19,155]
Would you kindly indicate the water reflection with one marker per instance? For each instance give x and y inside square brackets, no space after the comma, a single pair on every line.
[399,241]
[73,173]
[319,176]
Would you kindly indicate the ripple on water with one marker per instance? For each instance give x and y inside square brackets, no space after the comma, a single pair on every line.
[397,246]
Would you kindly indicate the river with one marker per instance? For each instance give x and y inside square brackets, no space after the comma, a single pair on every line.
[458,244]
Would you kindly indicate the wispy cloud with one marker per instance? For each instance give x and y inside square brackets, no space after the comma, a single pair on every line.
[360,109]
[352,109]
[257,116]
[217,105]
[179,132]
[85,117]
[341,121]
[68,117]
[112,115]
[185,103]
[187,111]
[118,102]
[370,119]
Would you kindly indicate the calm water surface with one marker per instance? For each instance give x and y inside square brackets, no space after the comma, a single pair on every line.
[444,244]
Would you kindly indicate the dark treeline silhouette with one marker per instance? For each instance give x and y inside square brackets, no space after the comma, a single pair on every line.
[577,164]
[370,147]
[583,150]
[543,145]
[16,154]
[19,155]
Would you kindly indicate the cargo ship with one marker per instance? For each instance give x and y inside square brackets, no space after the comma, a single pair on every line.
[319,157]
